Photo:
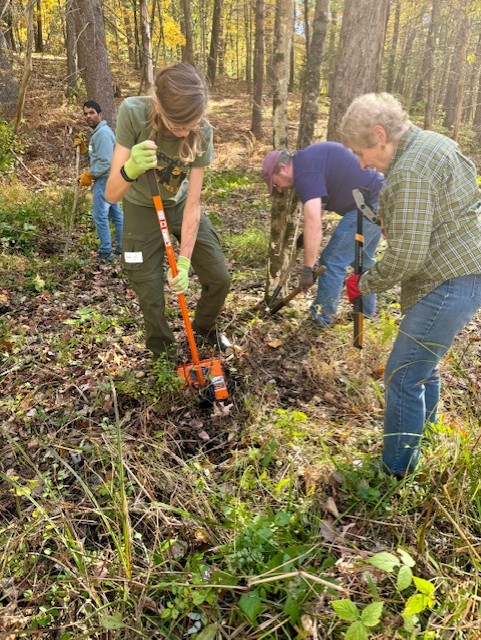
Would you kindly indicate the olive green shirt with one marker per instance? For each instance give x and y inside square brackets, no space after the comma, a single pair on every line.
[430,207]
[134,126]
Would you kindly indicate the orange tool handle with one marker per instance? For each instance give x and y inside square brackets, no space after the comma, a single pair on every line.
[159,208]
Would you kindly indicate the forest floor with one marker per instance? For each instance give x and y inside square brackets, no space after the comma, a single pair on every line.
[130,508]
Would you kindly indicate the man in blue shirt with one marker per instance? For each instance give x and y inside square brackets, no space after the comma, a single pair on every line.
[324,175]
[100,151]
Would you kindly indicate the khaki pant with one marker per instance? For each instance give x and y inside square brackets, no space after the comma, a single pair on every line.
[143,247]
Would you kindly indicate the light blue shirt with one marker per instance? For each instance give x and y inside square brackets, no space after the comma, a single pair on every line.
[101,149]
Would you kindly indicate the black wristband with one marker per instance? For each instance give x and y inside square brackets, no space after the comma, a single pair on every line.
[125,176]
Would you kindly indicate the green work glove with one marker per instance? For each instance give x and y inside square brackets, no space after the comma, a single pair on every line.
[180,283]
[142,158]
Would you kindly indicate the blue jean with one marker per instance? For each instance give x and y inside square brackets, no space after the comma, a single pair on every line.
[103,213]
[412,380]
[337,256]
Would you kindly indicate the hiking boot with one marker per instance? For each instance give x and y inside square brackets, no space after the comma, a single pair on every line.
[321,320]
[214,339]
[106,257]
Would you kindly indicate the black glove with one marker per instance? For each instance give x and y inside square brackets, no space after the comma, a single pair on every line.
[306,278]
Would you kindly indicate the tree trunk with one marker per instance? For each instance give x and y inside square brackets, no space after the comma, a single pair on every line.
[7,40]
[307,27]
[400,84]
[129,34]
[458,111]
[248,47]
[472,85]
[39,29]
[291,84]
[477,114]
[71,90]
[430,106]
[285,224]
[331,54]
[214,42]
[358,66]
[27,68]
[282,55]
[312,78]
[454,92]
[221,52]
[393,48]
[8,84]
[161,44]
[256,124]
[93,56]
[423,75]
[188,48]
[147,68]
[283,205]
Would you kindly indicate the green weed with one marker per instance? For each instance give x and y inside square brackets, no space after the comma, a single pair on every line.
[30,222]
[274,549]
[9,146]
[248,248]
[361,621]
[165,374]
[400,566]
[222,183]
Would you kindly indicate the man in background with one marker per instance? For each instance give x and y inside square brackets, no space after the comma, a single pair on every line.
[324,175]
[99,153]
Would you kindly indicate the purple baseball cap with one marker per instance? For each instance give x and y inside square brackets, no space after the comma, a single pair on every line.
[268,166]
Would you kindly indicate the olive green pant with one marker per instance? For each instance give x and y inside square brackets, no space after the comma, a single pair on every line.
[143,261]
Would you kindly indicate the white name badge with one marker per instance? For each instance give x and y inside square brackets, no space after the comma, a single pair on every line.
[134,257]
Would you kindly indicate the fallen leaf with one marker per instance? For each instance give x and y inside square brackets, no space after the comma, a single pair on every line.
[221,410]
[275,344]
[100,570]
[328,532]
[151,605]
[312,476]
[201,536]
[331,506]
[6,345]
[309,625]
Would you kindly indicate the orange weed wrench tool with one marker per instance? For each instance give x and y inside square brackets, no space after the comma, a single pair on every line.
[198,374]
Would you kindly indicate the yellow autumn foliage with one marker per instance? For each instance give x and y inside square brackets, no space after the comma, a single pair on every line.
[172,33]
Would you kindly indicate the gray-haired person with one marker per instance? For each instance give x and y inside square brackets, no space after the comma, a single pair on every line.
[431,211]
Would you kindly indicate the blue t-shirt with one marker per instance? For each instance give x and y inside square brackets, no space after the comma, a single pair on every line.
[330,171]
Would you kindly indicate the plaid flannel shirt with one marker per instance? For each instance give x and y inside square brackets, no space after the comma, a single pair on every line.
[431,211]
